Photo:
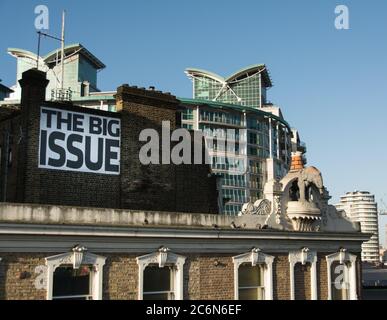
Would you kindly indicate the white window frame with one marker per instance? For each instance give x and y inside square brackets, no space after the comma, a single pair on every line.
[171,292]
[255,256]
[163,257]
[303,256]
[349,261]
[77,257]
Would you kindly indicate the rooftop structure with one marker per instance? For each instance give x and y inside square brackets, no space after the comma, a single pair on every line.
[80,70]
[246,87]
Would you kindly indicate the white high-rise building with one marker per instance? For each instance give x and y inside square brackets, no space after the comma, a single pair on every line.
[360,206]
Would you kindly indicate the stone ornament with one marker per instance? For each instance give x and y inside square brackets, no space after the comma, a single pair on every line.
[163,256]
[260,207]
[307,177]
[255,257]
[78,251]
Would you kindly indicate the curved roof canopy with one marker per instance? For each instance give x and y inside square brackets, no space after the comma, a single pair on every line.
[21,53]
[244,72]
[50,57]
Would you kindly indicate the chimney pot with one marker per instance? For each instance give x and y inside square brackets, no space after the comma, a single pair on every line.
[297,161]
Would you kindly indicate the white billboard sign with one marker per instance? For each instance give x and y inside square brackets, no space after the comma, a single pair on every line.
[75,141]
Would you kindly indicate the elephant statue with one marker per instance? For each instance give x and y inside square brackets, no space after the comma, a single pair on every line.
[307,177]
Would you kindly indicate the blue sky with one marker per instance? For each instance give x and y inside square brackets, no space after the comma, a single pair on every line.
[331,84]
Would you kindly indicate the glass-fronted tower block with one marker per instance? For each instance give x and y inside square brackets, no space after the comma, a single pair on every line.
[264,140]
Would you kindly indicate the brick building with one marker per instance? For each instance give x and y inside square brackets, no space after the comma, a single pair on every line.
[77,224]
[152,187]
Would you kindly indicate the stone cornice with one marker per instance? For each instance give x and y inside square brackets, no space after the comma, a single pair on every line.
[174,233]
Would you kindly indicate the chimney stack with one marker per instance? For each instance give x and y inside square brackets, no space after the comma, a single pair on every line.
[297,161]
[33,84]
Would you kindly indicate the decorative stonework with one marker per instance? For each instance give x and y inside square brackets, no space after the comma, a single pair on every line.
[255,256]
[260,207]
[278,208]
[308,177]
[297,202]
[78,253]
[161,257]
[303,256]
[303,215]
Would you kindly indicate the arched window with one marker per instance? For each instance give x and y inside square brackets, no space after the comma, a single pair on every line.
[294,191]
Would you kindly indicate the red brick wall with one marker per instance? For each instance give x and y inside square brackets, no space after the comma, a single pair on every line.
[302,282]
[120,277]
[216,277]
[8,169]
[17,276]
[281,282]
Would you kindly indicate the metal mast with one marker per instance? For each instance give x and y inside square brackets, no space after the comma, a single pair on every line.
[62,50]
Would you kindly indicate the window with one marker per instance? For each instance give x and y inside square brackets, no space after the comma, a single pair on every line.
[159,283]
[221,117]
[232,209]
[187,126]
[303,256]
[235,195]
[339,281]
[160,275]
[251,285]
[253,276]
[253,123]
[187,114]
[72,284]
[342,277]
[75,275]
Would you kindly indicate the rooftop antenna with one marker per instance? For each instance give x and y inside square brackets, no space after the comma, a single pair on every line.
[61,39]
[62,49]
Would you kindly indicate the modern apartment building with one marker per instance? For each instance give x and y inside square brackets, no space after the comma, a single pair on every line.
[360,206]
[264,139]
